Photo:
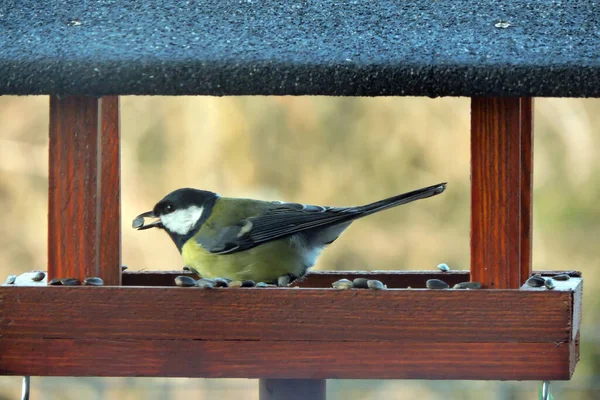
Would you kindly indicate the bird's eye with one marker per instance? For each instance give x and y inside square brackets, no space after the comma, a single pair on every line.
[169,208]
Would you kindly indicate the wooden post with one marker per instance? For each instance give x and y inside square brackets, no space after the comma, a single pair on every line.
[84,211]
[526,186]
[501,176]
[292,389]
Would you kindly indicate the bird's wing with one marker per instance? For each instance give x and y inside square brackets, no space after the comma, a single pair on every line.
[277,221]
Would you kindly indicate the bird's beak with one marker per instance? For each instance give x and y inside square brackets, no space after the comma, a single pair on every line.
[138,222]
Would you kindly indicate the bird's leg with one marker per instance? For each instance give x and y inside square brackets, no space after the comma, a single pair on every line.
[285,280]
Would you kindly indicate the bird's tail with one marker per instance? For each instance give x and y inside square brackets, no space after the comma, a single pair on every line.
[401,199]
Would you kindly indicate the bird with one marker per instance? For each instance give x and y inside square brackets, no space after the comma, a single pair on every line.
[263,241]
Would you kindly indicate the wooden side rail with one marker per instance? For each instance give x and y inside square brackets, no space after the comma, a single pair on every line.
[517,334]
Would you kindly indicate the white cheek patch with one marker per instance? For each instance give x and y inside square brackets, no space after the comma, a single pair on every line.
[181,222]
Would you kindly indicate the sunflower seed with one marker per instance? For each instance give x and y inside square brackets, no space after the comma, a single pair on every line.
[468,285]
[93,281]
[549,283]
[137,223]
[436,284]
[70,282]
[342,284]
[55,282]
[186,268]
[235,284]
[38,277]
[561,277]
[248,283]
[123,267]
[443,267]
[360,283]
[535,281]
[375,284]
[262,284]
[185,281]
[221,282]
[11,279]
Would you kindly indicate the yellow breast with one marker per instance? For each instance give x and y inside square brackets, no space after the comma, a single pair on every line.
[263,263]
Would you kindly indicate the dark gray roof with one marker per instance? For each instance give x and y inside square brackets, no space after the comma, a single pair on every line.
[344,47]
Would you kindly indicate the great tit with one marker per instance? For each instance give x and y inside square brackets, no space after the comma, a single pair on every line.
[245,239]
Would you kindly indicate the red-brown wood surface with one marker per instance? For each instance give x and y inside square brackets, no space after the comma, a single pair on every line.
[114,313]
[526,186]
[283,359]
[496,207]
[84,196]
[110,191]
[309,334]
[153,278]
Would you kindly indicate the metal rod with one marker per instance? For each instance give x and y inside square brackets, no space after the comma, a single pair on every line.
[25,388]
[292,389]
[546,390]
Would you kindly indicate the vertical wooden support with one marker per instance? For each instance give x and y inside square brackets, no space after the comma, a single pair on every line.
[526,186]
[84,212]
[501,169]
[110,190]
[292,389]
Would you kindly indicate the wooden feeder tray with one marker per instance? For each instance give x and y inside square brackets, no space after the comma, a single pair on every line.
[137,325]
[313,331]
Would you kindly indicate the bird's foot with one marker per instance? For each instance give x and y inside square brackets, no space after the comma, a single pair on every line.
[285,280]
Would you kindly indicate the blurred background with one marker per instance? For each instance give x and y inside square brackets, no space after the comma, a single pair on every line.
[320,150]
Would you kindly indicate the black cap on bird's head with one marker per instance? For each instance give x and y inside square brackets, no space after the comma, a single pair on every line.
[180,213]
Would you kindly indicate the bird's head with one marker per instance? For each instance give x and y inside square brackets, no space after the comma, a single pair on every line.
[180,213]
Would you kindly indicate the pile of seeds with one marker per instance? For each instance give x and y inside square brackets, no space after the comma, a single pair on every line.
[39,276]
[90,281]
[538,281]
[205,283]
[359,283]
[364,283]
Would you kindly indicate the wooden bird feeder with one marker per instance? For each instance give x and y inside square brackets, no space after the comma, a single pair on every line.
[293,339]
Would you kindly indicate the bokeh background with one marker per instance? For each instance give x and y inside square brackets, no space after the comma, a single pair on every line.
[320,150]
